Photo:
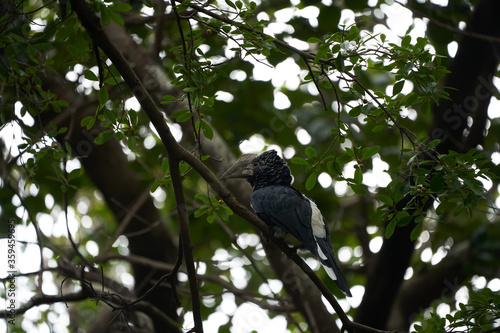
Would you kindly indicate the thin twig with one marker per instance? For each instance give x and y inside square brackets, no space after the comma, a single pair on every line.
[126,221]
[315,83]
[187,247]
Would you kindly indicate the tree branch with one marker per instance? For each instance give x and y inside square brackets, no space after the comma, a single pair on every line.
[187,247]
[92,24]
[157,84]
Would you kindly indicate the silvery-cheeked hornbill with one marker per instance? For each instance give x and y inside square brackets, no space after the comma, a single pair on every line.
[289,214]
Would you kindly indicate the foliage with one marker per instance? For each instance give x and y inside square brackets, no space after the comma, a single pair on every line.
[479,315]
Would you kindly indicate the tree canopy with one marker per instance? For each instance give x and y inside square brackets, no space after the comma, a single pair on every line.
[118,117]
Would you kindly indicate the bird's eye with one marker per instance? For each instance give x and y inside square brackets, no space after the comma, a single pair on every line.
[255,164]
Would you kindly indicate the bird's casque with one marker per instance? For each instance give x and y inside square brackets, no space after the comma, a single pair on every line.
[289,214]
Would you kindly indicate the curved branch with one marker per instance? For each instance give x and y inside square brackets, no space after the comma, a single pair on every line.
[244,295]
[47,299]
[187,247]
[296,283]
[92,24]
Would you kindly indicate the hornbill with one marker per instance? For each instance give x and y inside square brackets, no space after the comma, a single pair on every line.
[289,214]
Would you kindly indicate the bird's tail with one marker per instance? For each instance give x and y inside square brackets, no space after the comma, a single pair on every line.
[331,265]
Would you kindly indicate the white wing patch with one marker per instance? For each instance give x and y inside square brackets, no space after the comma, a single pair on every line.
[317,224]
[322,256]
[330,273]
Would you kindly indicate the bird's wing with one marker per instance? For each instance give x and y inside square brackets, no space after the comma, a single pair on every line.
[286,208]
[331,265]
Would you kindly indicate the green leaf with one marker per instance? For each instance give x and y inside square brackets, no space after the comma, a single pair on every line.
[211,217]
[110,116]
[343,159]
[405,42]
[311,152]
[433,143]
[62,130]
[201,211]
[298,161]
[116,18]
[134,117]
[421,43]
[425,107]
[131,143]
[103,137]
[378,128]
[353,33]
[119,136]
[202,197]
[369,152]
[230,4]
[350,152]
[335,48]
[358,175]
[69,150]
[113,81]
[88,122]
[455,184]
[339,63]
[398,86]
[403,220]
[89,75]
[190,89]
[313,40]
[167,99]
[165,166]
[385,199]
[358,189]
[105,15]
[311,181]
[405,188]
[416,231]
[207,130]
[437,182]
[157,183]
[184,117]
[355,111]
[74,174]
[358,88]
[224,213]
[121,7]
[408,67]
[183,168]
[442,207]
[103,96]
[389,230]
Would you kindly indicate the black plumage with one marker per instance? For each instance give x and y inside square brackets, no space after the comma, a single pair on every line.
[289,214]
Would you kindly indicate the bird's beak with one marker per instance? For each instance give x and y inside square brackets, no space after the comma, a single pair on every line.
[242,168]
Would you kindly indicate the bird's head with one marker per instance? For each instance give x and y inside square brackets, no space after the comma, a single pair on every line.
[260,170]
